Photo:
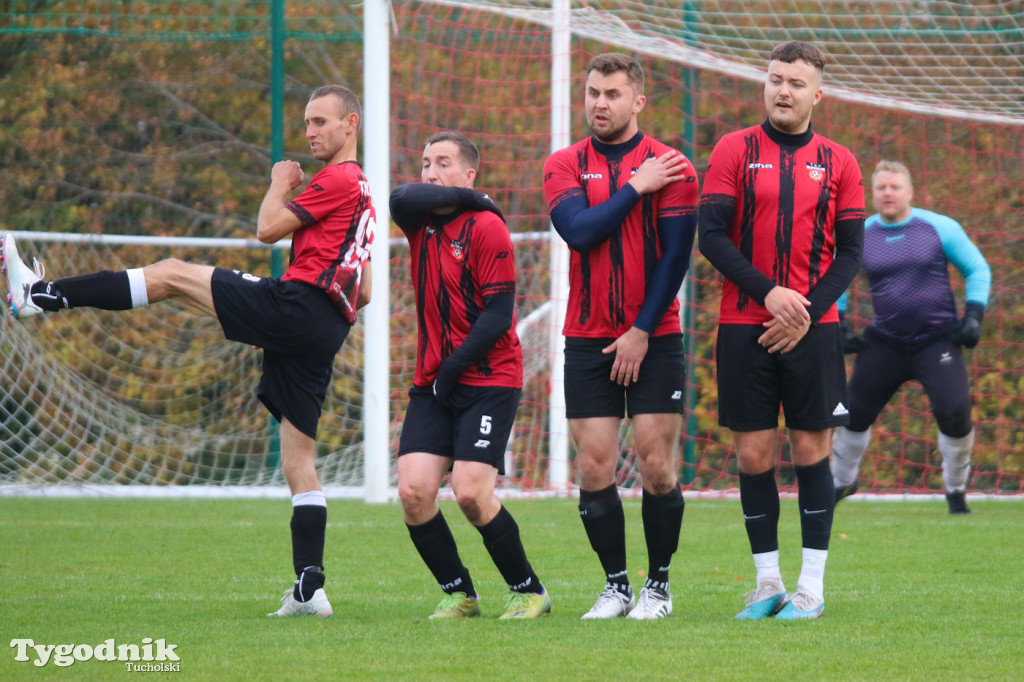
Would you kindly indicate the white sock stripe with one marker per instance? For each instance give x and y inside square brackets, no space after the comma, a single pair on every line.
[314,498]
[137,285]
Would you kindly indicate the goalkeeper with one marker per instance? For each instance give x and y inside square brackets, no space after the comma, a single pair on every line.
[915,333]
[300,321]
[468,379]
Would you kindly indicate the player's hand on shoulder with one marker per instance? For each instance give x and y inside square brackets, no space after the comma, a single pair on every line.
[788,307]
[657,171]
[780,339]
[288,172]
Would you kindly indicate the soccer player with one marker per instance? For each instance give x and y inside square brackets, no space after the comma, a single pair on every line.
[626,206]
[915,334]
[782,218]
[468,379]
[300,320]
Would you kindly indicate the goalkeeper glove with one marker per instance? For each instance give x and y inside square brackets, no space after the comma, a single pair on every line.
[967,332]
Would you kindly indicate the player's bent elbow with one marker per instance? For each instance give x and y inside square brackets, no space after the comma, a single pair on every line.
[266,235]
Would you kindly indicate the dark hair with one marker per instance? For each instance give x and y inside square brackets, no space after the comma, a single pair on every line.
[348,103]
[468,151]
[613,62]
[794,50]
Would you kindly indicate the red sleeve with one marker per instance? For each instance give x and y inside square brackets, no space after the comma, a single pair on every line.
[329,189]
[561,178]
[850,199]
[679,198]
[722,176]
[493,258]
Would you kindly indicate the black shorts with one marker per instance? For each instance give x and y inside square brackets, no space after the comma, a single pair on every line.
[882,367]
[809,382]
[590,391]
[300,331]
[475,429]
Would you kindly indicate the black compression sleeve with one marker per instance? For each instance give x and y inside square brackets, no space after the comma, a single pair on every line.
[583,226]
[411,204]
[676,237]
[487,330]
[849,251]
[716,246]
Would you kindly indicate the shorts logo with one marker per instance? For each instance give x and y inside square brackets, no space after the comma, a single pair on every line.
[840,411]
[945,358]
[677,395]
[483,444]
[246,276]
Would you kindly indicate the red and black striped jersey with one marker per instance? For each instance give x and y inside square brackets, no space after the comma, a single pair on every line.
[785,202]
[338,221]
[608,283]
[457,260]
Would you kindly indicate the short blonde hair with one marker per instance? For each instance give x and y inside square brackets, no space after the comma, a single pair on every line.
[886,166]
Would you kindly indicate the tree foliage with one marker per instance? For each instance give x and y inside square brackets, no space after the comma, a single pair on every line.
[158,136]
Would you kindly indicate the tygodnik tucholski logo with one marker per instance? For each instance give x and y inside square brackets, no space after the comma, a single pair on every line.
[149,656]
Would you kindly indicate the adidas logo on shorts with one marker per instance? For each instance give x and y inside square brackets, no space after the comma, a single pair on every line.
[840,411]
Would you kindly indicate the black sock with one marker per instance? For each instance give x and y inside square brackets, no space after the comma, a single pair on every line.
[663,519]
[501,538]
[107,290]
[434,542]
[759,497]
[605,523]
[309,581]
[817,503]
[47,296]
[309,524]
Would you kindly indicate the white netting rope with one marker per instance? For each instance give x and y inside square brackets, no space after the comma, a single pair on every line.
[150,396]
[952,59]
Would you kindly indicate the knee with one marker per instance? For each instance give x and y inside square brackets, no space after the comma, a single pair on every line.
[597,467]
[416,497]
[472,504]
[167,268]
[658,474]
[955,421]
[163,278]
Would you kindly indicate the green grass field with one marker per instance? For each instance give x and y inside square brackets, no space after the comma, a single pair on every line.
[912,593]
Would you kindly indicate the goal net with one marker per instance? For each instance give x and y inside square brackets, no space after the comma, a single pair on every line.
[156,120]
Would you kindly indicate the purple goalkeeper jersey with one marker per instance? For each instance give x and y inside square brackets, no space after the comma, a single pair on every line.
[907,265]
